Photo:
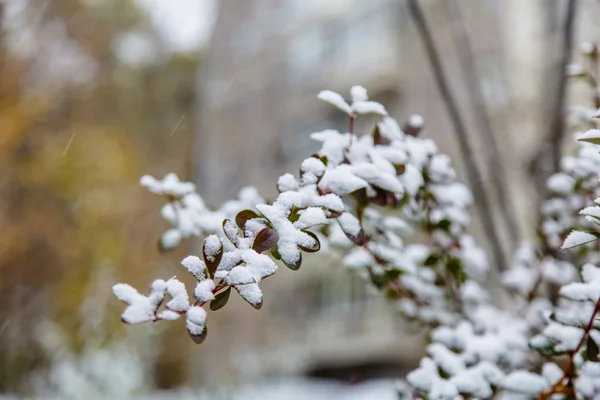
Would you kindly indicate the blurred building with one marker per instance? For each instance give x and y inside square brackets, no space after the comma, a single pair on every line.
[266,63]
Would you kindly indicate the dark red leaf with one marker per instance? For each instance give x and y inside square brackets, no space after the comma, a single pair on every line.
[265,239]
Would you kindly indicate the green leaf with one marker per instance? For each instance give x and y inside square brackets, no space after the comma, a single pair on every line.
[431,260]
[275,253]
[294,214]
[315,248]
[455,267]
[592,349]
[220,299]
[578,238]
[591,136]
[378,279]
[265,239]
[243,216]
[198,339]
[444,225]
[392,274]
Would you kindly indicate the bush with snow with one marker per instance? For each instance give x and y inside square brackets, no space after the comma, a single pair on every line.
[544,344]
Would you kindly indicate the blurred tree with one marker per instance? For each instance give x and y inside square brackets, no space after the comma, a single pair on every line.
[80,122]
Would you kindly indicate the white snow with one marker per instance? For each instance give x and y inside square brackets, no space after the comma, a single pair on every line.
[195,266]
[212,247]
[358,93]
[561,183]
[204,290]
[416,121]
[310,216]
[287,182]
[368,107]
[180,301]
[251,293]
[578,238]
[349,224]
[336,99]
[524,382]
[341,181]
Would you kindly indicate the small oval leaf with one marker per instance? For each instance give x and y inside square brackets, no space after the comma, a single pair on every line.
[198,339]
[243,216]
[231,231]
[316,247]
[252,294]
[212,259]
[265,239]
[294,266]
[220,300]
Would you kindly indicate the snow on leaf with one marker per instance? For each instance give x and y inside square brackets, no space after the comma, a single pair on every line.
[197,315]
[195,323]
[352,228]
[290,238]
[310,216]
[231,231]
[168,315]
[239,275]
[377,177]
[578,238]
[204,290]
[287,182]
[140,308]
[336,99]
[170,240]
[212,250]
[195,266]
[593,212]
[341,181]
[251,293]
[170,185]
[180,301]
[358,93]
[524,382]
[412,179]
[416,121]
[581,291]
[368,107]
[591,136]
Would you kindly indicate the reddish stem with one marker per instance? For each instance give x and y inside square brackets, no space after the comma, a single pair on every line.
[216,290]
[562,387]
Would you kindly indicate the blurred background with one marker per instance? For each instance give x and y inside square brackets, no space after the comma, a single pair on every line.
[95,93]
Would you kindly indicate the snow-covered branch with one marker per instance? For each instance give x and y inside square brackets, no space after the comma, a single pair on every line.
[363,196]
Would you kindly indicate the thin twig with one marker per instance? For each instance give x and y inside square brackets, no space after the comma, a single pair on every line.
[478,104]
[565,384]
[481,199]
[557,127]
[547,159]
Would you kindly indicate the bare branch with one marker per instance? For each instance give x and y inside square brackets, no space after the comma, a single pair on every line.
[547,159]
[478,104]
[474,176]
